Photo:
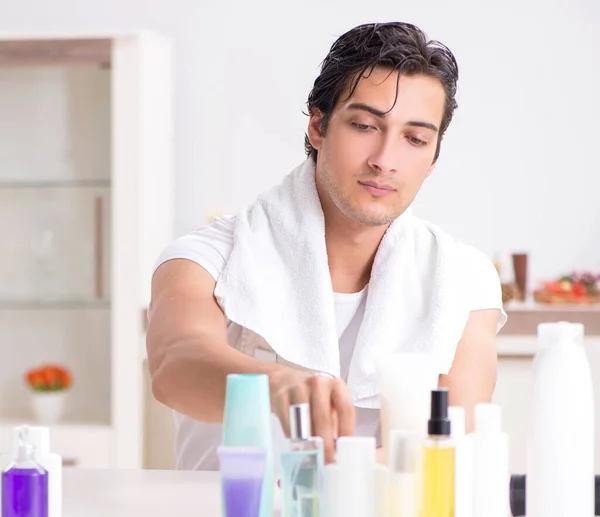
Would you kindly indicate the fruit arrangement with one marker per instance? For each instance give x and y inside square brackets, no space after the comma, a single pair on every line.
[49,377]
[577,288]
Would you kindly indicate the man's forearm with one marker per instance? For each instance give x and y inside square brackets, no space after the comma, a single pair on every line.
[192,380]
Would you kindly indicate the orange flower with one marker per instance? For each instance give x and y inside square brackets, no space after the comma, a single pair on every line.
[48,377]
[35,379]
[30,377]
[64,377]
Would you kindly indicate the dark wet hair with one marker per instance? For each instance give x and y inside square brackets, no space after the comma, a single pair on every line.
[395,45]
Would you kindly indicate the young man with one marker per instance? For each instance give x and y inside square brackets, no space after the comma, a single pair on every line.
[378,112]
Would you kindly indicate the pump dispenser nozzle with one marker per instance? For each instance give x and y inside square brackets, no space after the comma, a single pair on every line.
[439,423]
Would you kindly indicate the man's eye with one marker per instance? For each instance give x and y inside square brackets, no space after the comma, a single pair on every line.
[362,127]
[416,141]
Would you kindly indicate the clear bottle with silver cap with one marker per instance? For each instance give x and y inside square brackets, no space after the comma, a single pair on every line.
[302,462]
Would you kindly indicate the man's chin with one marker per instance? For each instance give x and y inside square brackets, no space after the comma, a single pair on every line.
[370,217]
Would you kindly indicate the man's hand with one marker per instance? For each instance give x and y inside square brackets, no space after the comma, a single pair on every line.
[331,407]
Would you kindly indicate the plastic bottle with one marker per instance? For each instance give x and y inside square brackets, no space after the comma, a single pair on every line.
[491,476]
[39,438]
[242,471]
[24,485]
[518,494]
[463,472]
[247,423]
[560,439]
[438,460]
[356,485]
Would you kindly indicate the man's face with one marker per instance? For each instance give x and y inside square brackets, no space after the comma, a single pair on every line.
[372,160]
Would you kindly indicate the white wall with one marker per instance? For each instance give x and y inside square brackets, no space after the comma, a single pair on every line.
[518,170]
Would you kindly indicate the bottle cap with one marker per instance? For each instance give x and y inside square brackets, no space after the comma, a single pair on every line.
[24,452]
[553,333]
[457,421]
[488,418]
[38,436]
[247,411]
[356,451]
[517,495]
[439,424]
[300,424]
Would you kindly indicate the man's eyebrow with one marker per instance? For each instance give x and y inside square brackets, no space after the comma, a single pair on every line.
[381,114]
[428,125]
[365,107]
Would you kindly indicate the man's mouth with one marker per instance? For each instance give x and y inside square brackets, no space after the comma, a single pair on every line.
[377,189]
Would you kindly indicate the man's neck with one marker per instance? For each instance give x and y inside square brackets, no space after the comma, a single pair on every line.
[351,249]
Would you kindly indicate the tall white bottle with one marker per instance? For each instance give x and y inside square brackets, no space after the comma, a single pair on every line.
[491,476]
[463,463]
[560,440]
[356,485]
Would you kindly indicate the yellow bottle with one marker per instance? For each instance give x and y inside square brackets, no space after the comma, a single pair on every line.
[438,461]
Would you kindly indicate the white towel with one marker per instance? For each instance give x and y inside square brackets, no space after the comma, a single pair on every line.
[277,284]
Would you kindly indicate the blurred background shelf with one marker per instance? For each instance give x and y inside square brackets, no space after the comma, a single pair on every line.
[60,183]
[85,209]
[83,424]
[62,305]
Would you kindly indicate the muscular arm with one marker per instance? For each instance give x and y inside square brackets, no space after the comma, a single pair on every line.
[188,353]
[189,359]
[472,377]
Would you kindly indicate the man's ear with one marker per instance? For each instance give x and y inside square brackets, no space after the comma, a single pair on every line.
[315,122]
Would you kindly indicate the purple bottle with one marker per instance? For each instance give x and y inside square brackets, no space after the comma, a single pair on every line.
[24,486]
[242,475]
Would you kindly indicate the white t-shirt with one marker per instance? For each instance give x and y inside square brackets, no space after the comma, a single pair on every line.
[210,247]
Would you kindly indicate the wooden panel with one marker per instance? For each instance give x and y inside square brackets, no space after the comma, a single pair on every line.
[40,52]
[524,321]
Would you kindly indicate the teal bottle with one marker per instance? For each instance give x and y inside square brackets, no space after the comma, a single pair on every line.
[247,423]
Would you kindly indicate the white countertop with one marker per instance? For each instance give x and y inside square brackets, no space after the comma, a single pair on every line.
[147,493]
